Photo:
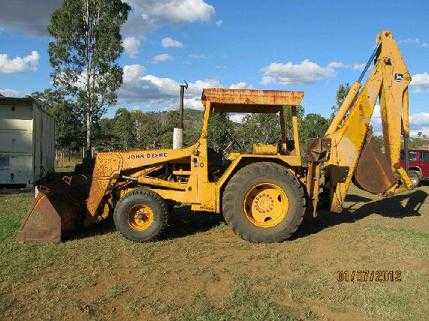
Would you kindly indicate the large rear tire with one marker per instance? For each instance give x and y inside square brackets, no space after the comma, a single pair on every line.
[141,215]
[264,202]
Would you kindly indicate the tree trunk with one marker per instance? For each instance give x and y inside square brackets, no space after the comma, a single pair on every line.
[88,131]
[88,82]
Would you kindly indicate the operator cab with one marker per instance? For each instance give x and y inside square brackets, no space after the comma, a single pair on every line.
[250,122]
[245,117]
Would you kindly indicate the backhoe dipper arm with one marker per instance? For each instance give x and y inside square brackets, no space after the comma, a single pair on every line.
[352,153]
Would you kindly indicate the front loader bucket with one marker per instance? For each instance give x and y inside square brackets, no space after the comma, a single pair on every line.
[56,212]
[373,172]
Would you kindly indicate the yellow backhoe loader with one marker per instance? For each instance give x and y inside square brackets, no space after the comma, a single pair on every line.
[263,193]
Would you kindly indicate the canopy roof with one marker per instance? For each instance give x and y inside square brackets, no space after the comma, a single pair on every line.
[250,100]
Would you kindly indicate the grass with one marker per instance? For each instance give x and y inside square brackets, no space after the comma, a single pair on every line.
[202,271]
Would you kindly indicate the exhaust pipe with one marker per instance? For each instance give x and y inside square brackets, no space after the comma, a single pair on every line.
[178,132]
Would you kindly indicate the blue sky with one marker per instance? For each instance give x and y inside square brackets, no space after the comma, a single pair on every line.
[292,45]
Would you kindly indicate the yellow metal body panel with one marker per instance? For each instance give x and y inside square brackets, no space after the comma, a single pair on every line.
[348,130]
[197,190]
[388,81]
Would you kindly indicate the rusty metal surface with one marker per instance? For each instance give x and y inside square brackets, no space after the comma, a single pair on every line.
[374,173]
[42,223]
[318,150]
[56,211]
[252,97]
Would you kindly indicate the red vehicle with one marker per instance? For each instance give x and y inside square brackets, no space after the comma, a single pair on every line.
[418,167]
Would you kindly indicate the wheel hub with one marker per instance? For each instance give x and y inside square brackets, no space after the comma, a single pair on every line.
[266,205]
[140,217]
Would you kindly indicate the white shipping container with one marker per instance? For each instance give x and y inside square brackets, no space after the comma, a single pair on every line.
[27,141]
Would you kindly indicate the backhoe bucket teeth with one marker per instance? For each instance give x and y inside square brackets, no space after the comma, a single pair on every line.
[56,213]
[373,172]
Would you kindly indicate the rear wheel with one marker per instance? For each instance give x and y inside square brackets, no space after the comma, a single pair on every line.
[141,215]
[264,202]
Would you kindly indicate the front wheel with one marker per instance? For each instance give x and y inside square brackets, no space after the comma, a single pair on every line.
[264,202]
[141,215]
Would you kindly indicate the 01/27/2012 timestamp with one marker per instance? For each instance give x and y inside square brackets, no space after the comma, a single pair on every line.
[369,276]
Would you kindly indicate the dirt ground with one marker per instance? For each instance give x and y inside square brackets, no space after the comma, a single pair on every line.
[202,271]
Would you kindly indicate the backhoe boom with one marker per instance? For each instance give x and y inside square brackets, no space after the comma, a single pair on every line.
[353,155]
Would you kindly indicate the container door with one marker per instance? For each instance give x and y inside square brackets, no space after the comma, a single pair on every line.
[4,169]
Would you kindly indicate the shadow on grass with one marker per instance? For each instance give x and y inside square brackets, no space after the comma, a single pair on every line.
[184,222]
[8,190]
[181,223]
[101,228]
[387,207]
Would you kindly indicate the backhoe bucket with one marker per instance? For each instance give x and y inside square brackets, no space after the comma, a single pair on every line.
[56,212]
[373,173]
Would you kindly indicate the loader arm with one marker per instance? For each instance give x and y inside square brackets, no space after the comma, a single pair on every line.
[353,155]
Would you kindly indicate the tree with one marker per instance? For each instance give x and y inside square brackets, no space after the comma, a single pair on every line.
[220,131]
[312,126]
[103,135]
[86,43]
[123,129]
[342,91]
[68,133]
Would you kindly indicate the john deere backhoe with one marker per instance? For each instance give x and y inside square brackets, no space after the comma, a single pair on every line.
[263,193]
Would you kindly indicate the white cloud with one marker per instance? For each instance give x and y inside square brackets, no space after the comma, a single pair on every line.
[414,41]
[181,10]
[376,117]
[420,131]
[169,42]
[11,93]
[148,15]
[161,58]
[303,73]
[420,81]
[161,92]
[336,65]
[240,85]
[420,119]
[131,46]
[18,64]
[357,66]
[30,17]
[419,122]
[219,23]
[132,73]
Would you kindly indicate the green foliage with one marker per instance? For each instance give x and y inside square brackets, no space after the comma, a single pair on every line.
[138,129]
[122,129]
[419,142]
[342,91]
[221,128]
[259,128]
[313,126]
[146,130]
[85,44]
[68,133]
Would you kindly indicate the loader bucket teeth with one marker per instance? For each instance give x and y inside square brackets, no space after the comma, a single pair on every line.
[373,172]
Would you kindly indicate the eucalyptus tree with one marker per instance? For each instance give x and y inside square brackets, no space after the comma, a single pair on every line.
[85,46]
